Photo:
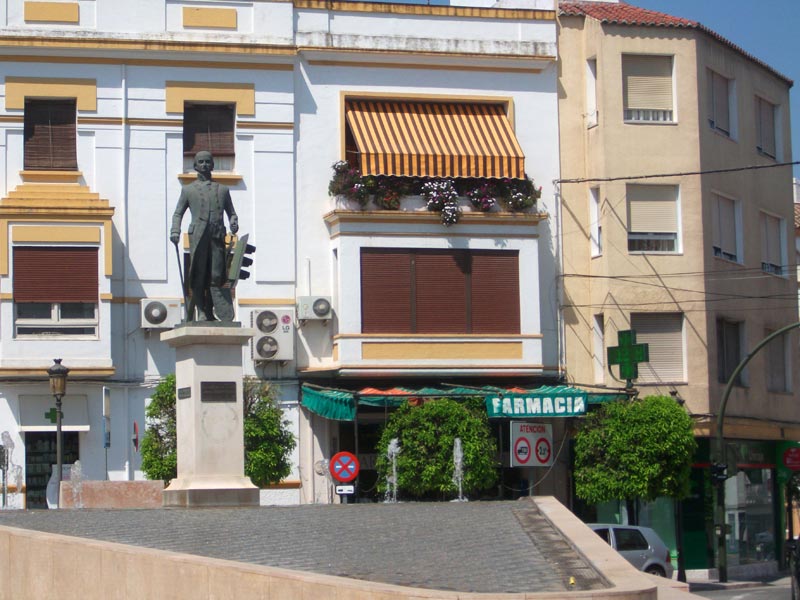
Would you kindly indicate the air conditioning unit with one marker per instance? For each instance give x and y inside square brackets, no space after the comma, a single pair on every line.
[161,313]
[274,337]
[314,308]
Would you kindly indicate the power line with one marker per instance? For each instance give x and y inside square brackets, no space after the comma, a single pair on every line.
[676,174]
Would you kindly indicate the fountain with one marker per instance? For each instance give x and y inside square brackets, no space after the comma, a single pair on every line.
[458,469]
[391,480]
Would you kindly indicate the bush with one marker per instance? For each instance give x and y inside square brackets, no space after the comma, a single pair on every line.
[427,434]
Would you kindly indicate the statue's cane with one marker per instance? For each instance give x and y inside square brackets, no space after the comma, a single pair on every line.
[183,284]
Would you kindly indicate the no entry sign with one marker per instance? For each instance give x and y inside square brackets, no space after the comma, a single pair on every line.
[344,467]
[531,444]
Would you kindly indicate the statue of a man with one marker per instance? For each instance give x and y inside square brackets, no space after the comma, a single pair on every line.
[207,274]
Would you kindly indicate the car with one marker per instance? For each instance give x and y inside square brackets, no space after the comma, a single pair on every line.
[640,546]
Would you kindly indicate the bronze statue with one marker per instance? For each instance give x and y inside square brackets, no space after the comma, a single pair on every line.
[207,274]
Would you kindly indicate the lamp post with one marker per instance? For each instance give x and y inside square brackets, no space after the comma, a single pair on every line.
[58,387]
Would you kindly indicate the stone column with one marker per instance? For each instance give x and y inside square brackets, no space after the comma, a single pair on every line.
[209,413]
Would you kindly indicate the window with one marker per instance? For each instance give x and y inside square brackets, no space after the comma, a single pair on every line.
[647,88]
[55,291]
[776,357]
[724,222]
[765,128]
[664,334]
[49,132]
[729,349]
[595,226]
[599,358]
[591,92]
[771,244]
[209,127]
[652,218]
[439,291]
[629,539]
[719,104]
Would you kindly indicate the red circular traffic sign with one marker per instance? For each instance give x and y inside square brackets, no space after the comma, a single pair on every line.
[522,450]
[344,467]
[543,450]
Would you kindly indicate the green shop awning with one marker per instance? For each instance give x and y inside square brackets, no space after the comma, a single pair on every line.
[545,401]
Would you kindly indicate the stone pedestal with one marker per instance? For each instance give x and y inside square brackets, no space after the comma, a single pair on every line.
[209,413]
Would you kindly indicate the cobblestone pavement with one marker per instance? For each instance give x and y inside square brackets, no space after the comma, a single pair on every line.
[468,547]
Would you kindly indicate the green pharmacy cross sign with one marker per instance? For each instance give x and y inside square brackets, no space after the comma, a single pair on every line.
[628,354]
[52,415]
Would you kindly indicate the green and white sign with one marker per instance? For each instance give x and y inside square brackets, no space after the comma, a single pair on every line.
[561,402]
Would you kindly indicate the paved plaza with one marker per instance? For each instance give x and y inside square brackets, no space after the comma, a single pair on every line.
[467,547]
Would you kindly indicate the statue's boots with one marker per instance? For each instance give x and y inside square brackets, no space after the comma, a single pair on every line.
[223,304]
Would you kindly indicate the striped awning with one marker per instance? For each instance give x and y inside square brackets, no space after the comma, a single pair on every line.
[434,139]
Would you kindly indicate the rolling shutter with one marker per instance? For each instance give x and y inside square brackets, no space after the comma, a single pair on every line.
[719,100]
[49,132]
[208,127]
[664,334]
[441,299]
[55,274]
[647,82]
[385,291]
[725,225]
[495,292]
[766,126]
[652,209]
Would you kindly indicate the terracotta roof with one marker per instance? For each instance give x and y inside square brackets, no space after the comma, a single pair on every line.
[620,13]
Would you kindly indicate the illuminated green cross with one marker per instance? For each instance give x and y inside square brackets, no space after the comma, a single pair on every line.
[52,415]
[628,354]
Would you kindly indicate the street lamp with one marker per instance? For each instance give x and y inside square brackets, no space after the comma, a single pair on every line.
[58,387]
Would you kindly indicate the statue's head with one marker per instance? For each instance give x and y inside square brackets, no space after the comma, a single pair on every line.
[203,161]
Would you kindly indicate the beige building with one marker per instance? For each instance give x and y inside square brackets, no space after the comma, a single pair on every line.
[677,223]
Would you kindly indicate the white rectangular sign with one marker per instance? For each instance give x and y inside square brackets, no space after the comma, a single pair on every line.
[531,444]
[345,489]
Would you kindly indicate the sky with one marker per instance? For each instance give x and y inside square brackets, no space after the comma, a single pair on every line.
[767,29]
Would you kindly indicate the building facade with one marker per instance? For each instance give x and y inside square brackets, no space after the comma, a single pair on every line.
[105,103]
[677,224]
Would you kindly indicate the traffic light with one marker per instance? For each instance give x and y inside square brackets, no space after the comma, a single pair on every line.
[719,472]
[239,260]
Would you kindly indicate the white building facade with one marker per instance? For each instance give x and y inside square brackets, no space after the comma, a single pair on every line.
[103,105]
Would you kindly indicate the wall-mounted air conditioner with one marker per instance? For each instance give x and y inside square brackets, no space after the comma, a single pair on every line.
[314,308]
[161,313]
[274,337]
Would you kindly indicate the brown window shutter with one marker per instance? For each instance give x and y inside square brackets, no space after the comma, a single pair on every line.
[495,292]
[385,291]
[441,299]
[55,274]
[208,127]
[49,132]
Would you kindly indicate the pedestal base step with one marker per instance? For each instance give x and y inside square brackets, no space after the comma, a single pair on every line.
[196,498]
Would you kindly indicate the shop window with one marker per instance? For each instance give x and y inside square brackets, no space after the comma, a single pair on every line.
[439,291]
[55,291]
[50,135]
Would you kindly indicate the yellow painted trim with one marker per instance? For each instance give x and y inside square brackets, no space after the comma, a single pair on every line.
[155,122]
[425,10]
[263,125]
[6,296]
[288,302]
[243,49]
[336,217]
[4,247]
[106,297]
[440,350]
[12,119]
[55,234]
[142,62]
[427,67]
[284,485]
[51,176]
[100,121]
[226,178]
[242,94]
[209,18]
[18,88]
[335,355]
[73,372]
[52,12]
[427,336]
[108,247]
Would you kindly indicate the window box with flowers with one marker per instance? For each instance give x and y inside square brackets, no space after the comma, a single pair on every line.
[449,197]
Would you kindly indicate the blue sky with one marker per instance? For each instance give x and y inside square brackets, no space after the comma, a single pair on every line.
[767,29]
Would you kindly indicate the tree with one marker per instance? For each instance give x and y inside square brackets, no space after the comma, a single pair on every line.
[426,434]
[159,444]
[628,450]
[268,443]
